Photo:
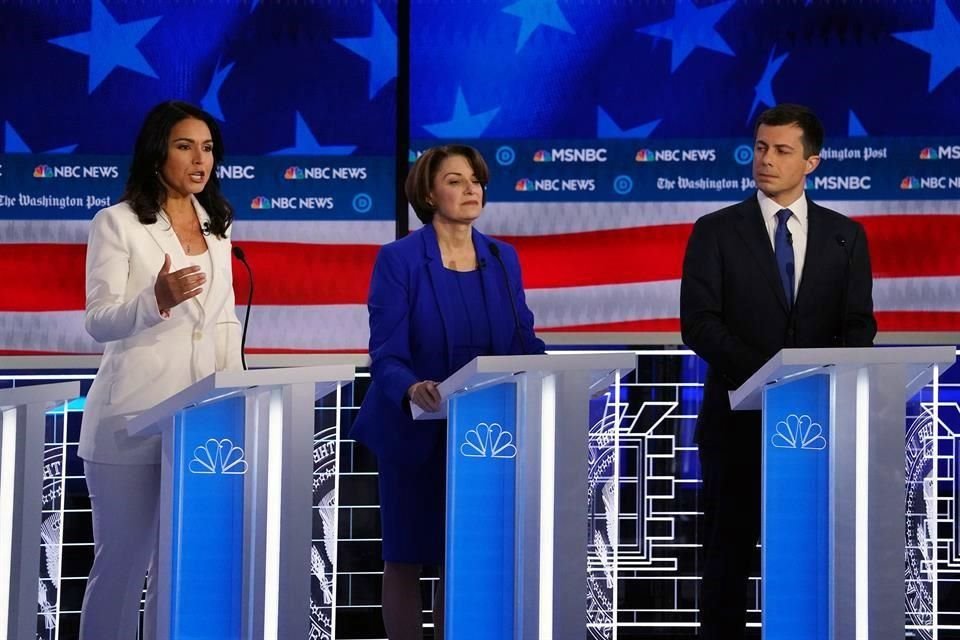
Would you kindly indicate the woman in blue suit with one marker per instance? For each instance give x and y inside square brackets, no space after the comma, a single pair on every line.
[438,298]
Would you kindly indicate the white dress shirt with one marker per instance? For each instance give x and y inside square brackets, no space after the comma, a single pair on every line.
[797,226]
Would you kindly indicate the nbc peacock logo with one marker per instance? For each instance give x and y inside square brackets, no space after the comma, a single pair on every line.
[524,184]
[43,171]
[542,156]
[260,202]
[929,153]
[293,173]
[910,182]
[644,155]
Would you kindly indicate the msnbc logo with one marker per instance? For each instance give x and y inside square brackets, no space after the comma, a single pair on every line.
[542,156]
[260,202]
[808,184]
[525,184]
[644,155]
[929,153]
[293,173]
[910,183]
[42,171]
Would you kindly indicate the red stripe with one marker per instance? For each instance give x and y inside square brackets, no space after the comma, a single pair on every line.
[919,321]
[305,274]
[913,245]
[42,277]
[615,256]
[50,277]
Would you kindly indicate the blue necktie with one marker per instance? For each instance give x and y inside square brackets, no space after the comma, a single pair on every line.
[783,249]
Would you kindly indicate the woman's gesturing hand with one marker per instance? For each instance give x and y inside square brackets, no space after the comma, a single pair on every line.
[425,395]
[173,287]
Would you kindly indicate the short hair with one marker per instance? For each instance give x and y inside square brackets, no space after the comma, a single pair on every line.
[803,117]
[145,191]
[424,171]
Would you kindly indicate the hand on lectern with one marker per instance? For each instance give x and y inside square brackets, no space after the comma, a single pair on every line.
[425,395]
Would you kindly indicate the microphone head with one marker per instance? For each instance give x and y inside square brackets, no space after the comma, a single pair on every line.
[494,249]
[238,254]
[841,240]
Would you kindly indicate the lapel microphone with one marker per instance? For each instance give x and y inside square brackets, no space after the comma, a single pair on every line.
[239,255]
[495,252]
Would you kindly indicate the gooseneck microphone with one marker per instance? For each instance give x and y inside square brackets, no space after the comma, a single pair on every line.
[239,255]
[495,252]
[842,242]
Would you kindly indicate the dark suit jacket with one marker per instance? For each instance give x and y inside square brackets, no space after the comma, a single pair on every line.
[409,340]
[733,311]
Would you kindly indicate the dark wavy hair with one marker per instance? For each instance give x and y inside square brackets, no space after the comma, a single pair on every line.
[146,193]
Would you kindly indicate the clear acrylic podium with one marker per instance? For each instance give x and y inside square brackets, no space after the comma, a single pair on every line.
[236,498]
[833,487]
[21,476]
[516,543]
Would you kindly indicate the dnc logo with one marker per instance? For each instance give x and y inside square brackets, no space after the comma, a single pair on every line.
[488,441]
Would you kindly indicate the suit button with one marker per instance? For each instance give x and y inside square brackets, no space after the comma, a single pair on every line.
[197,335]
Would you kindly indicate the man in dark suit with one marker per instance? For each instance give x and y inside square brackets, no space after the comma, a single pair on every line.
[775,271]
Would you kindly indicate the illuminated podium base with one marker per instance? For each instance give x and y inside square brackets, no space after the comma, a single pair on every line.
[516,540]
[236,499]
[24,427]
[833,487]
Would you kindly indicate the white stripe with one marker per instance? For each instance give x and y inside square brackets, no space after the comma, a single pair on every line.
[319,327]
[572,306]
[316,231]
[499,218]
[551,218]
[303,231]
[329,327]
[935,293]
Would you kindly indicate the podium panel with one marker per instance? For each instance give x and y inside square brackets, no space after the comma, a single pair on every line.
[795,533]
[481,503]
[206,556]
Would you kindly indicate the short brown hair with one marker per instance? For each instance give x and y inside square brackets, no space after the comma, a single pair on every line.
[424,171]
[803,117]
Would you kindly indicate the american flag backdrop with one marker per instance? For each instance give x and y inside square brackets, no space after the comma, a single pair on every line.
[609,128]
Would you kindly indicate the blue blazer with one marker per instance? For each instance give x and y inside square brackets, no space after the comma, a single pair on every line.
[409,337]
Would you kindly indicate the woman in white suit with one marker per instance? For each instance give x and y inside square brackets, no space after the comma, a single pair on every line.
[160,297]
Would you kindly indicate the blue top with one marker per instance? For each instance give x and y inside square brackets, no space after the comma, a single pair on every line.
[424,326]
[469,325]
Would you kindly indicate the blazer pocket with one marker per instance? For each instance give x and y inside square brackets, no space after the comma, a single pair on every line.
[138,369]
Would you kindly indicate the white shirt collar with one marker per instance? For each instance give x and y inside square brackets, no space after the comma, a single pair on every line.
[770,207]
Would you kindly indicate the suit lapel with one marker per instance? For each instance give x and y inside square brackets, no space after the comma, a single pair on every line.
[494,281]
[431,250]
[817,241]
[753,231]
[163,234]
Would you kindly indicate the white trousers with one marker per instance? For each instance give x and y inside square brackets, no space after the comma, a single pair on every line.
[125,501]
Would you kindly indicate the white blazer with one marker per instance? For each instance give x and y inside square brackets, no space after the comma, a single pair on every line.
[148,358]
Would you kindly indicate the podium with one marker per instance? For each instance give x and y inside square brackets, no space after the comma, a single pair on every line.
[21,476]
[516,540]
[833,490]
[236,502]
